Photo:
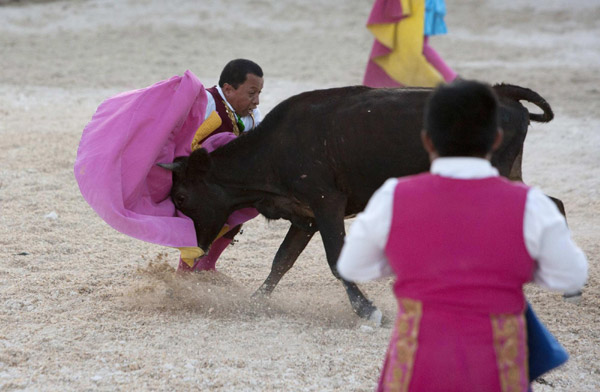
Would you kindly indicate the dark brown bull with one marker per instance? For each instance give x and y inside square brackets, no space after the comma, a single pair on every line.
[317,158]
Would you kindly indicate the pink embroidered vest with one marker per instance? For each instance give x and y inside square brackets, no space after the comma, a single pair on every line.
[460,243]
[458,251]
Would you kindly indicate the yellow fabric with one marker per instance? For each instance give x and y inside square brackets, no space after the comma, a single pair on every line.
[224,230]
[406,7]
[406,63]
[212,122]
[384,33]
[190,253]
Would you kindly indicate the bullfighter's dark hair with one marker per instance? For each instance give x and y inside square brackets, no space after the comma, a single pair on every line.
[461,118]
[235,72]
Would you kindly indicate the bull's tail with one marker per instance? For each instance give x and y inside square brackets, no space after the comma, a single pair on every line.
[524,94]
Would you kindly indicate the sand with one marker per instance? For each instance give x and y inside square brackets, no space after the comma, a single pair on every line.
[83,307]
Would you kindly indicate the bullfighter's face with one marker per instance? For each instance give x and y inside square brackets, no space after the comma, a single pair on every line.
[245,98]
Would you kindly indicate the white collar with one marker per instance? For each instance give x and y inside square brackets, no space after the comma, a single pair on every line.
[463,167]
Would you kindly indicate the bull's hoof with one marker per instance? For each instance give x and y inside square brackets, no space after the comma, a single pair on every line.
[574,298]
[376,317]
[261,294]
[366,310]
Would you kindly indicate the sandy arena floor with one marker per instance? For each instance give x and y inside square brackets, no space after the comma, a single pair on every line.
[83,307]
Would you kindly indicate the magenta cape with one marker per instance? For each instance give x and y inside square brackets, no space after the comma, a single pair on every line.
[116,160]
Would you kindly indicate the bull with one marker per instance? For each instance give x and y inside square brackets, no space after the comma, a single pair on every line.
[317,158]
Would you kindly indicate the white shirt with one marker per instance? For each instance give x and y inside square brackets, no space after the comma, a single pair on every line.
[561,265]
[211,106]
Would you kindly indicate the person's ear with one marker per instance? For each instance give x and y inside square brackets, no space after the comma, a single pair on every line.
[428,145]
[227,89]
[498,139]
[427,142]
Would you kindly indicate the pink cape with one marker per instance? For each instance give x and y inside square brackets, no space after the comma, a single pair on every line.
[385,11]
[116,160]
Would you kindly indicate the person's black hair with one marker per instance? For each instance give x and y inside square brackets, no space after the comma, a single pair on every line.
[236,71]
[461,118]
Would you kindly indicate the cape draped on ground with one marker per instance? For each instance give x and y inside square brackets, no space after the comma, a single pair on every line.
[116,160]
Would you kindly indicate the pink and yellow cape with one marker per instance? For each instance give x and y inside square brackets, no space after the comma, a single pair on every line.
[116,160]
[397,57]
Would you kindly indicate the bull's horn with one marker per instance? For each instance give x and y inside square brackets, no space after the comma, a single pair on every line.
[170,166]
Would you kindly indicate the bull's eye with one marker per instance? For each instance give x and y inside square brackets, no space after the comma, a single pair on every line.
[179,199]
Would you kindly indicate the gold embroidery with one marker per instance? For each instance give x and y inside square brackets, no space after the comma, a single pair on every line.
[253,120]
[510,346]
[233,119]
[402,327]
[402,353]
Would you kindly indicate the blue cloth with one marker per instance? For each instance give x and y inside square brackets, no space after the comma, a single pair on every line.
[435,10]
[545,352]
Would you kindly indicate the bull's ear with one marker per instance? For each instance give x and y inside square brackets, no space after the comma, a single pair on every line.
[199,162]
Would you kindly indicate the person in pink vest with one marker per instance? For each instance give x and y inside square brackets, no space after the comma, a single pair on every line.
[461,242]
[232,108]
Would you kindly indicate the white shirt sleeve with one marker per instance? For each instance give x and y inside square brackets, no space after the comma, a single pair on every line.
[210,104]
[363,255]
[561,264]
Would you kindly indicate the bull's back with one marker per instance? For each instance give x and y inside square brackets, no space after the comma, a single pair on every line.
[389,145]
[353,139]
[357,137]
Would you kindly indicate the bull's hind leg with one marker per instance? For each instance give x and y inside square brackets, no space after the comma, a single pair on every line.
[560,205]
[294,243]
[329,215]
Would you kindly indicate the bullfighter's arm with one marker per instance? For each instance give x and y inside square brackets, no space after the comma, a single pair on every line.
[561,264]
[363,255]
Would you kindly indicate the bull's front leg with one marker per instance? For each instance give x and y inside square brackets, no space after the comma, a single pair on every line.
[329,215]
[294,243]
